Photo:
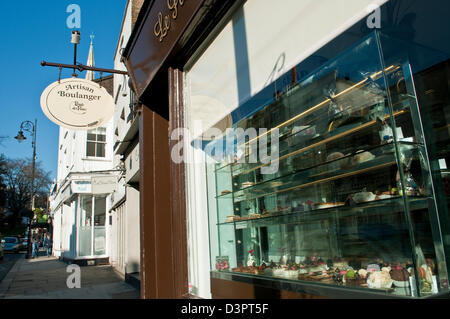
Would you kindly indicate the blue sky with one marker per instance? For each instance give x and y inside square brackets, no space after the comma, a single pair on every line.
[32,31]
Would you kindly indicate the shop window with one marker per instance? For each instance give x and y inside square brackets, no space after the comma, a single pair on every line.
[361,181]
[100,211]
[96,143]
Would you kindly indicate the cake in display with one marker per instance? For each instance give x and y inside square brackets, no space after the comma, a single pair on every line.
[400,277]
[379,280]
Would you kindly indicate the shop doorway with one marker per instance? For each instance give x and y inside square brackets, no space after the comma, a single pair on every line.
[92,233]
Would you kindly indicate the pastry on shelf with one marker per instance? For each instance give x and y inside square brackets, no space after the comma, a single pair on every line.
[276,184]
[291,274]
[383,195]
[363,197]
[225,192]
[334,156]
[341,264]
[254,216]
[380,280]
[278,272]
[232,218]
[394,191]
[352,278]
[400,277]
[338,164]
[386,268]
[363,273]
[328,205]
[247,184]
[265,213]
[362,157]
[322,276]
[318,268]
[250,270]
[425,272]
[373,268]
[285,272]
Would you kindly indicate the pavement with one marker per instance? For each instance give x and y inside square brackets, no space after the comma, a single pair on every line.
[9,260]
[46,278]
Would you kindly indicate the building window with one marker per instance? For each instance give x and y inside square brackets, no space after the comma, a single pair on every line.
[96,142]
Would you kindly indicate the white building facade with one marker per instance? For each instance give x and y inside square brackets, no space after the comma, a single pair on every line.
[124,203]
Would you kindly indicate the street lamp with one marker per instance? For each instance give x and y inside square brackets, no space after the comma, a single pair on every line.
[29,127]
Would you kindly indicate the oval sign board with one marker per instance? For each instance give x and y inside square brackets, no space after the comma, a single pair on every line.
[77,104]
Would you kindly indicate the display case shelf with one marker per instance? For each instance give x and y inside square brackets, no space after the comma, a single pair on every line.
[323,173]
[376,207]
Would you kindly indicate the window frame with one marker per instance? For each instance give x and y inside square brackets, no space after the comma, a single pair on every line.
[100,131]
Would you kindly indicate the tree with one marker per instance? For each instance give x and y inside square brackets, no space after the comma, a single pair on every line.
[17,176]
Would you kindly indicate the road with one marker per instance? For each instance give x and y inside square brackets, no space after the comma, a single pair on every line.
[8,262]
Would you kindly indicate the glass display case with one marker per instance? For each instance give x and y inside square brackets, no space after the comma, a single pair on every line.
[352,201]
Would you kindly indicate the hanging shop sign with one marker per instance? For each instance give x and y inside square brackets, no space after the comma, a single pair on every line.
[77,104]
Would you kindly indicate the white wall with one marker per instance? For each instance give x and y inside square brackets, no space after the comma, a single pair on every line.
[57,232]
[121,89]
[133,239]
[125,231]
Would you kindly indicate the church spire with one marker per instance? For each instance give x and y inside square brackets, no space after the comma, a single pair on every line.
[90,62]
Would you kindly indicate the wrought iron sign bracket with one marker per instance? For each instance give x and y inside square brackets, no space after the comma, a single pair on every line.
[81,67]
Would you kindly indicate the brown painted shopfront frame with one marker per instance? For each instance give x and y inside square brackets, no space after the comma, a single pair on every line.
[163,209]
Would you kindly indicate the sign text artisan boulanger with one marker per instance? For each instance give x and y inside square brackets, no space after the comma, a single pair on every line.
[77,104]
[79,95]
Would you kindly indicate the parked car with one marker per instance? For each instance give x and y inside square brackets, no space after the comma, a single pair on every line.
[12,244]
[24,243]
[2,244]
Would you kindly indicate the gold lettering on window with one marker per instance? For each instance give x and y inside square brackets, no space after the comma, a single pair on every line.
[162,26]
